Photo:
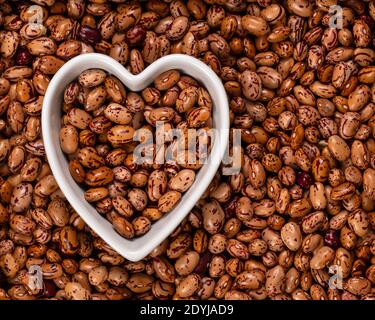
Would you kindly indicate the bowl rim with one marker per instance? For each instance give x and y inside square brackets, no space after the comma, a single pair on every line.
[137,248]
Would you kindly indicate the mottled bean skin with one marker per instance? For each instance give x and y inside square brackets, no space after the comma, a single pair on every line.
[299,205]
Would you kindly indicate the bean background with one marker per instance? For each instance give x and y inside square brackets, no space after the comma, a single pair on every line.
[296,223]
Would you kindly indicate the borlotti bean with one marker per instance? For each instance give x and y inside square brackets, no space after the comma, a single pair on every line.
[295,222]
[97,135]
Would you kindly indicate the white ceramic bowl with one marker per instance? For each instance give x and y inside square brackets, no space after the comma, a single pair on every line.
[137,248]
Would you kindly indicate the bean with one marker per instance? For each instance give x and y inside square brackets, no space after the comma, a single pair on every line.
[368,185]
[91,78]
[300,93]
[120,134]
[139,283]
[79,118]
[275,280]
[123,227]
[251,85]
[188,286]
[118,113]
[322,257]
[338,147]
[182,181]
[69,139]
[291,235]
[358,286]
[168,201]
[75,291]
[21,197]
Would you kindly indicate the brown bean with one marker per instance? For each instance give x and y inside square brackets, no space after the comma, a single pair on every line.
[338,147]
[79,118]
[188,286]
[118,113]
[69,139]
[368,183]
[251,85]
[99,177]
[322,258]
[75,291]
[292,236]
[301,93]
[91,78]
[119,135]
[275,280]
[21,197]
[58,212]
[358,286]
[168,201]
[123,227]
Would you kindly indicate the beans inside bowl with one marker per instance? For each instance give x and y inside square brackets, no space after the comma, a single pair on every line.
[296,223]
[102,127]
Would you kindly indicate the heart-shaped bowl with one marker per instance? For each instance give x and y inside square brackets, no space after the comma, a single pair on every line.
[137,248]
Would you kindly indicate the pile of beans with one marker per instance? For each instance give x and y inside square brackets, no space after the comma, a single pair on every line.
[303,205]
[100,122]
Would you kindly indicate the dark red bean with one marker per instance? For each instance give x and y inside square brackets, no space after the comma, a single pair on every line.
[19,5]
[89,35]
[304,180]
[331,239]
[23,57]
[368,20]
[230,208]
[2,280]
[204,261]
[50,289]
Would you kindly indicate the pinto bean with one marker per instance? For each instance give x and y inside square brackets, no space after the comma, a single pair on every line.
[301,96]
[292,236]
